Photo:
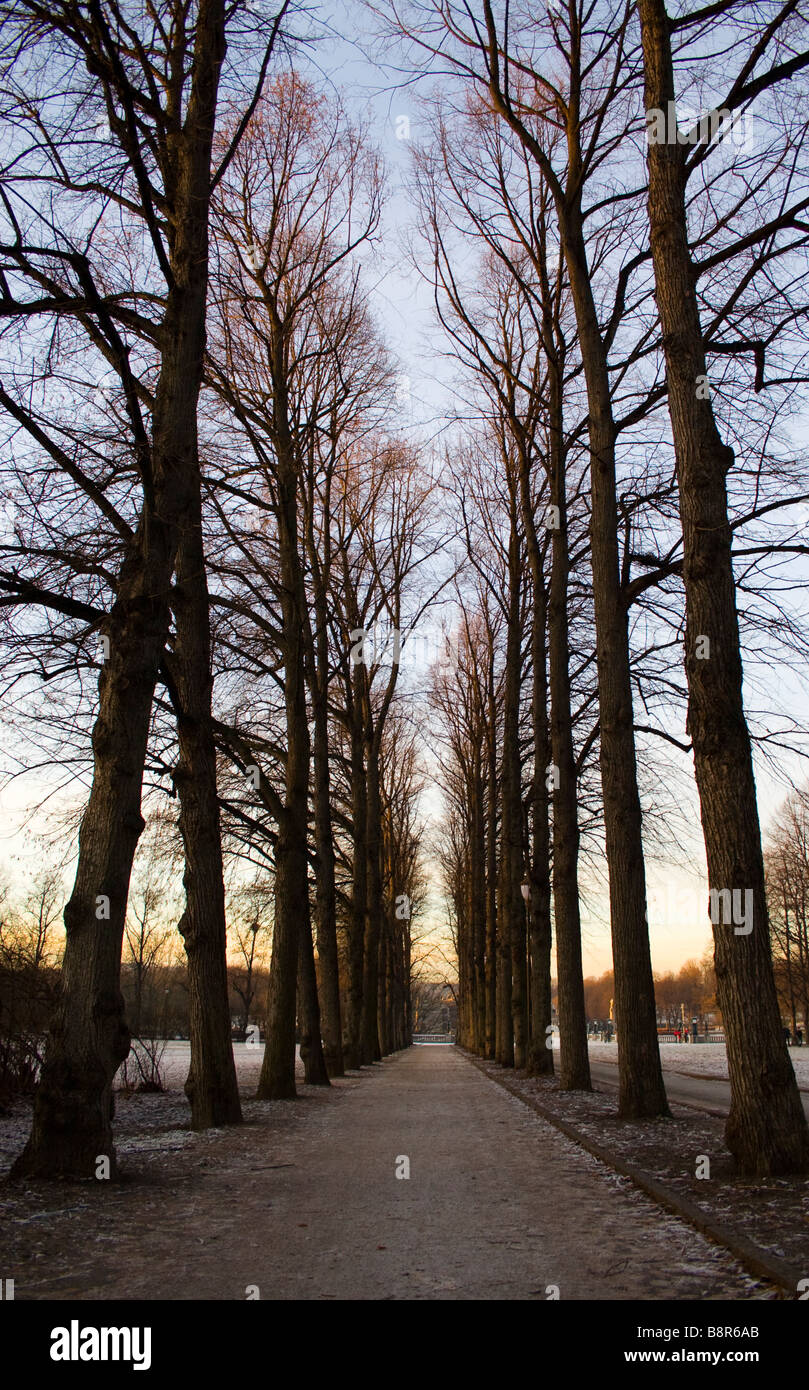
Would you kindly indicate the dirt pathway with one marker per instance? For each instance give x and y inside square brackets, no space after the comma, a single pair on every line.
[304,1202]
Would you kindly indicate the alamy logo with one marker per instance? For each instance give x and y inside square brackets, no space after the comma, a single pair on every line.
[103,1344]
[699,128]
[383,645]
[726,907]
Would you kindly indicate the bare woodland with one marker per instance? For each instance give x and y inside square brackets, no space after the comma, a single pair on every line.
[219,539]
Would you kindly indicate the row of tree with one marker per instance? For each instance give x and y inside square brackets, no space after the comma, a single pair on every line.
[623,307]
[208,515]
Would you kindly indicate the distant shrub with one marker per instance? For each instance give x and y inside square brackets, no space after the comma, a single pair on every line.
[141,1071]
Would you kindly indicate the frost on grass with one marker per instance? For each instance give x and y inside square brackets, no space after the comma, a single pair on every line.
[701,1059]
[145,1122]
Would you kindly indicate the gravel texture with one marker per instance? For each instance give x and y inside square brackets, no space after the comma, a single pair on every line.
[304,1202]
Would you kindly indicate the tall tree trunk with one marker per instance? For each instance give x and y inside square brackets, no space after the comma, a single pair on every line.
[314,1062]
[408,983]
[466,976]
[766,1129]
[574,1058]
[325,889]
[211,1087]
[370,1051]
[510,909]
[539,1060]
[382,991]
[359,892]
[478,898]
[461,900]
[397,1002]
[88,1038]
[390,1040]
[492,944]
[277,1080]
[540,1054]
[511,915]
[328,964]
[504,1053]
[641,1091]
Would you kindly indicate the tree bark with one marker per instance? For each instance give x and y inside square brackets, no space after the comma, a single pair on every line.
[88,1037]
[325,884]
[314,1063]
[325,889]
[492,943]
[574,1061]
[382,991]
[540,1053]
[478,896]
[359,892]
[511,910]
[766,1129]
[277,1080]
[212,1086]
[370,1050]
[539,1061]
[641,1091]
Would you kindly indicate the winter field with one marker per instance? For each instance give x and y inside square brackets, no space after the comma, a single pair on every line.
[703,1059]
[176,1056]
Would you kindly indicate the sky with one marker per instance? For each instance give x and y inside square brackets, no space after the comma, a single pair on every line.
[677,890]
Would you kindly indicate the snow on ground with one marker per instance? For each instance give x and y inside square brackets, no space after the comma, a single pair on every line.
[176,1057]
[151,1123]
[705,1059]
[302,1203]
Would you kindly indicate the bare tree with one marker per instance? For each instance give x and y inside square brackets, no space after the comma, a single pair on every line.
[161,114]
[766,1129]
[786,864]
[250,933]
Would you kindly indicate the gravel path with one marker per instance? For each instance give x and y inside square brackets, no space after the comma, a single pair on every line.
[304,1202]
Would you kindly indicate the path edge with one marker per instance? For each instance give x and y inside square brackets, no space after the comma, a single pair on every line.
[754,1259]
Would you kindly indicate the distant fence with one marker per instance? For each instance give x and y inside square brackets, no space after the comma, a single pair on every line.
[421,1038]
[700,1038]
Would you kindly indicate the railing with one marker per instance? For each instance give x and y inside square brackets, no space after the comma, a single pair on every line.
[419,1038]
[712,1037]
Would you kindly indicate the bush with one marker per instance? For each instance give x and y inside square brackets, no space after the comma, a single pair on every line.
[27,995]
[141,1070]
